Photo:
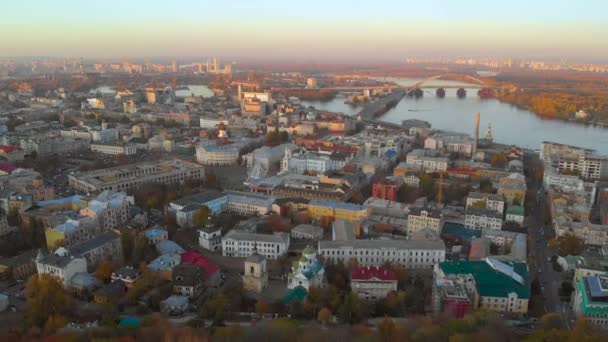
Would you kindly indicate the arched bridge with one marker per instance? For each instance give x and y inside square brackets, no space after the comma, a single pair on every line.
[476,82]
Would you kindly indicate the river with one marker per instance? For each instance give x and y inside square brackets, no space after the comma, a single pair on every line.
[510,125]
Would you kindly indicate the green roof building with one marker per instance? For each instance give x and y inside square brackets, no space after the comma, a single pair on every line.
[501,285]
[591,300]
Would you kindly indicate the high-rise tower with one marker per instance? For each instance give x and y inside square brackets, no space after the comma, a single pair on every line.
[477,119]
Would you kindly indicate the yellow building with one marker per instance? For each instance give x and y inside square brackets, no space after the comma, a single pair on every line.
[338,211]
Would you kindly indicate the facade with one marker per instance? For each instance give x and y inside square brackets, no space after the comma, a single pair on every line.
[414,254]
[242,244]
[104,247]
[592,234]
[424,218]
[248,203]
[115,149]
[184,208]
[591,300]
[515,213]
[210,238]
[188,280]
[386,188]
[109,210]
[19,267]
[217,154]
[490,201]
[60,264]
[480,219]
[307,232]
[502,286]
[513,188]
[255,275]
[426,162]
[337,211]
[123,178]
[307,271]
[373,282]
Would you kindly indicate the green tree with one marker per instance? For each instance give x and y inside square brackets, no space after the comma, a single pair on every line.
[214,309]
[45,299]
[568,244]
[201,216]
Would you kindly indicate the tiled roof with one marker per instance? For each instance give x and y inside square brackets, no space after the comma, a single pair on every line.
[369,273]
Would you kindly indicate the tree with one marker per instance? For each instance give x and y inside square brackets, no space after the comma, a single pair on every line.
[352,309]
[479,204]
[486,186]
[568,244]
[551,321]
[407,194]
[45,299]
[104,271]
[201,216]
[324,315]
[261,307]
[516,200]
[499,160]
[387,329]
[284,137]
[214,309]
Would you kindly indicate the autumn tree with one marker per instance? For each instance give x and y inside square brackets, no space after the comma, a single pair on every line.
[499,161]
[479,204]
[45,299]
[104,271]
[261,307]
[324,315]
[568,244]
[201,216]
[352,310]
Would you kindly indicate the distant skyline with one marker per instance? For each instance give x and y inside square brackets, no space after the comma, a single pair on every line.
[315,30]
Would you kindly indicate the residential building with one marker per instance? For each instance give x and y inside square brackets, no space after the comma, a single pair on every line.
[19,267]
[424,218]
[480,219]
[515,213]
[429,162]
[123,178]
[109,210]
[60,264]
[513,188]
[590,233]
[127,274]
[156,235]
[115,149]
[415,254]
[164,265]
[307,271]
[487,201]
[212,274]
[110,293]
[373,282]
[318,210]
[248,203]
[502,286]
[386,188]
[242,244]
[103,247]
[188,280]
[185,207]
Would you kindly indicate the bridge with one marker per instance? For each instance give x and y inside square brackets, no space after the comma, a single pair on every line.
[476,82]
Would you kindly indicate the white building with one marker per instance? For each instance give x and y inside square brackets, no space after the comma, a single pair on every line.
[210,238]
[307,271]
[249,203]
[372,282]
[60,264]
[427,162]
[241,244]
[115,149]
[476,218]
[217,154]
[490,201]
[424,218]
[307,232]
[415,254]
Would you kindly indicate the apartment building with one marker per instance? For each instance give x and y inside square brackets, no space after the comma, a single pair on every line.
[242,244]
[424,218]
[484,200]
[480,219]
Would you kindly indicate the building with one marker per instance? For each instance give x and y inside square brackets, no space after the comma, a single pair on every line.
[424,218]
[450,142]
[110,293]
[174,305]
[484,200]
[212,272]
[513,188]
[185,207]
[109,210]
[188,280]
[255,275]
[426,161]
[515,213]
[210,238]
[590,233]
[373,282]
[318,210]
[164,265]
[123,178]
[591,300]
[207,154]
[242,244]
[19,267]
[307,271]
[103,247]
[584,162]
[247,204]
[502,286]
[127,274]
[307,232]
[60,264]
[478,218]
[386,188]
[115,149]
[415,254]
[342,230]
[156,235]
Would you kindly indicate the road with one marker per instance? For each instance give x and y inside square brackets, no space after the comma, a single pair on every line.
[540,234]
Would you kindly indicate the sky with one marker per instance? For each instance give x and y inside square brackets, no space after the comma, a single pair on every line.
[306,30]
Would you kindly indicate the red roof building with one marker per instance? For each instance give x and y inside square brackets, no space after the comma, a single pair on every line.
[386,189]
[6,168]
[373,282]
[196,259]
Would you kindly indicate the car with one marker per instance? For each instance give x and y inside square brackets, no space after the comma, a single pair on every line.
[549,259]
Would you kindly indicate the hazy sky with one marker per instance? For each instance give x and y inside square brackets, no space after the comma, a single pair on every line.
[305,29]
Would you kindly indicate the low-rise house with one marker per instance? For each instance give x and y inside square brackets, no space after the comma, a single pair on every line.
[242,244]
[478,218]
[373,282]
[188,280]
[103,247]
[169,247]
[19,267]
[60,264]
[110,293]
[487,201]
[164,264]
[156,235]
[212,274]
[174,305]
[516,213]
[83,284]
[210,238]
[127,274]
